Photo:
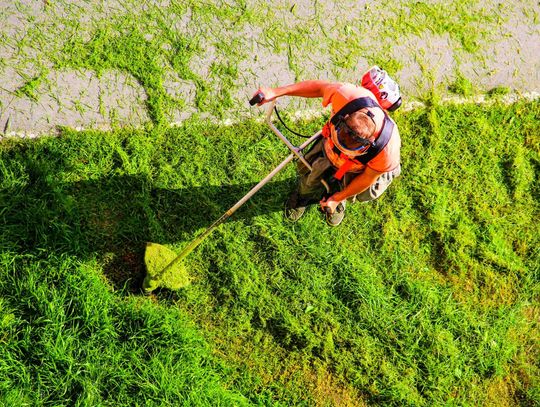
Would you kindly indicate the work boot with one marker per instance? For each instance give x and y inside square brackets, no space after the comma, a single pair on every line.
[334,219]
[294,208]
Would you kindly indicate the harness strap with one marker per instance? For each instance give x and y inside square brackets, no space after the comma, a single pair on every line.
[353,106]
[380,142]
[326,130]
[347,165]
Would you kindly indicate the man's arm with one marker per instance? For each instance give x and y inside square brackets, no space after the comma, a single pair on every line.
[306,89]
[358,185]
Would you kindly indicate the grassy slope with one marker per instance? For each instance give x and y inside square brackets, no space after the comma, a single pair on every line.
[429,295]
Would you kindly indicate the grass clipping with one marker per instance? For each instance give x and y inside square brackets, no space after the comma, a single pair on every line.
[156,258]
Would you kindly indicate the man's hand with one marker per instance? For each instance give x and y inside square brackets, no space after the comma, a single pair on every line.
[269,94]
[329,203]
[305,89]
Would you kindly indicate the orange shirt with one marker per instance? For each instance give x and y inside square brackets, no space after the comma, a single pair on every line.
[341,94]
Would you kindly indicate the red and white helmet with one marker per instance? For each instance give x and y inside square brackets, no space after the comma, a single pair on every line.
[385,89]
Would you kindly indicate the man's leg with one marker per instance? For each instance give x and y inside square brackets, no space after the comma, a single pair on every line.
[376,190]
[310,189]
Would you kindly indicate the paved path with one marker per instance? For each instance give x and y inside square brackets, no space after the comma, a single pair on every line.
[238,48]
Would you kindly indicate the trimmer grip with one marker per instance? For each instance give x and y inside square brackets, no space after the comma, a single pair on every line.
[258,98]
[340,208]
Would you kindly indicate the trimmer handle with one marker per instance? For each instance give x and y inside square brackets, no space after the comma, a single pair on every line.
[258,98]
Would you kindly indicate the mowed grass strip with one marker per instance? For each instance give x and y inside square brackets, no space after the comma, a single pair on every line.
[427,296]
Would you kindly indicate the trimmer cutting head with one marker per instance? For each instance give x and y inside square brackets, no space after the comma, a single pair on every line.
[156,258]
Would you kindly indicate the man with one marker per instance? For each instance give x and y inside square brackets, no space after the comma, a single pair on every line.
[360,150]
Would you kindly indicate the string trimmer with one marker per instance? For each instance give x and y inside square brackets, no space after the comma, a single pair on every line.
[164,268]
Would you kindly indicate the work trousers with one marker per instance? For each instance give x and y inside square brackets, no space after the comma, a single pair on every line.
[311,190]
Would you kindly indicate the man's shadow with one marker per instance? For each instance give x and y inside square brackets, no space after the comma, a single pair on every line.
[114,217]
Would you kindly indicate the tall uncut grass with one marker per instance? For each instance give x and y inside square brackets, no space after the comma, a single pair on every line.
[428,296]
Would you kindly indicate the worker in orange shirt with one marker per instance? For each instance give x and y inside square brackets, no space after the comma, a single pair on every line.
[360,150]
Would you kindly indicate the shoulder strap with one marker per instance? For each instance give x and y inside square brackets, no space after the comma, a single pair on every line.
[380,143]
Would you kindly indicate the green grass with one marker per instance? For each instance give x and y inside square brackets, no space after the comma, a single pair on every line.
[428,296]
[68,341]
[462,86]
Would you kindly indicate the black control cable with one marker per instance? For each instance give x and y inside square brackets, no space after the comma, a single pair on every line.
[258,98]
